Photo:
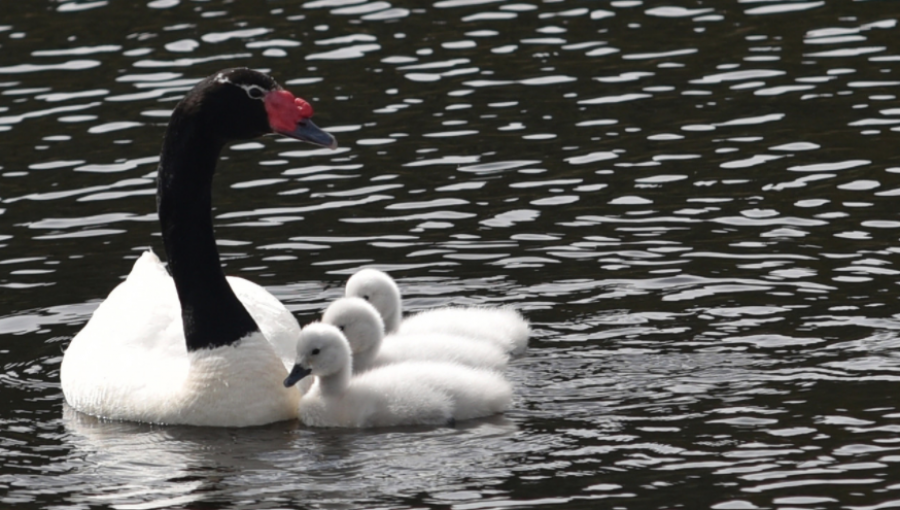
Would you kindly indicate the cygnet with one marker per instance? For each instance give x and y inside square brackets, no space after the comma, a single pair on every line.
[504,327]
[361,324]
[408,393]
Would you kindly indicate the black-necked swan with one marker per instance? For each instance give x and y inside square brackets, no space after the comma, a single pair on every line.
[194,348]
[363,327]
[501,326]
[409,393]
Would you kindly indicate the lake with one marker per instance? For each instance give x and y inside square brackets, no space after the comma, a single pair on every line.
[693,202]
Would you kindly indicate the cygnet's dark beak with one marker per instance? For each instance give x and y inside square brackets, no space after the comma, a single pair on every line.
[296,374]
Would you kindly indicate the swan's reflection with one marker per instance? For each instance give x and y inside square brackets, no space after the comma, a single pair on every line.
[141,466]
[150,466]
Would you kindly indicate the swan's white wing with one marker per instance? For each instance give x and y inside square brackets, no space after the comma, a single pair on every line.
[129,346]
[274,320]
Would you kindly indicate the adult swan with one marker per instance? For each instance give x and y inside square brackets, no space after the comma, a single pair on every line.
[194,348]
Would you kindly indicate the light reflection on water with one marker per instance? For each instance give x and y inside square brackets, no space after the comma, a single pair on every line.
[693,204]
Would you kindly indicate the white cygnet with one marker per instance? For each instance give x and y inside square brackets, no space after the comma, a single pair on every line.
[504,327]
[361,324]
[409,393]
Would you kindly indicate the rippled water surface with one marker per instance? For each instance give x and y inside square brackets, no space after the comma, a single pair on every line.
[694,202]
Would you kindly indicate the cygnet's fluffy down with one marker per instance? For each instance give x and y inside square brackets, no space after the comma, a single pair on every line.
[361,324]
[410,393]
[504,327]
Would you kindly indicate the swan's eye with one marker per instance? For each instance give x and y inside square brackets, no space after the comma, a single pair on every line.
[255,91]
[315,351]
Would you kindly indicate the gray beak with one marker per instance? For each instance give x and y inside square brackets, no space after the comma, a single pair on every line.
[296,374]
[310,133]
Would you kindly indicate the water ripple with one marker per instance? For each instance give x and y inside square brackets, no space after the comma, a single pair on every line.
[700,230]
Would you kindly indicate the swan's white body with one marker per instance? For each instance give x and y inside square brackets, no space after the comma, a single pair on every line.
[130,361]
[409,393]
[361,324]
[502,327]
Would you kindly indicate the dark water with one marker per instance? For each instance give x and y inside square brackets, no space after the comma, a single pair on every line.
[694,202]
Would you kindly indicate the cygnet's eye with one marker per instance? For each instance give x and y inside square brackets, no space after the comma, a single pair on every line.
[315,351]
[342,328]
[366,297]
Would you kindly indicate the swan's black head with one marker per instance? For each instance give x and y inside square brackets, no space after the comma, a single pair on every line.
[229,106]
[240,104]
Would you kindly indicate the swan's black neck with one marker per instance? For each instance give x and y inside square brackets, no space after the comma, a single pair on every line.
[212,314]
